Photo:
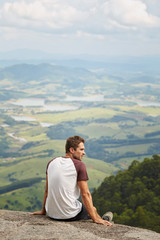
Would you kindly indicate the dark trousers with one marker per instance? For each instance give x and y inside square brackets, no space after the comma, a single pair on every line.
[82,215]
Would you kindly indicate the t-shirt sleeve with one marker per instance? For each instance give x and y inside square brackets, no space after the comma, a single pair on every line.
[82,173]
[81,170]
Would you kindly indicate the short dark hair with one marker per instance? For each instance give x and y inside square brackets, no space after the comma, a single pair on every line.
[73,142]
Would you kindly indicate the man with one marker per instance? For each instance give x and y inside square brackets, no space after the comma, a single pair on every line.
[66,178]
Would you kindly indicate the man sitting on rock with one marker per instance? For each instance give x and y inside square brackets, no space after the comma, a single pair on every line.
[66,178]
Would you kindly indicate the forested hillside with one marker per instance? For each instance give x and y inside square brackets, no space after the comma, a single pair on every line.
[133,195]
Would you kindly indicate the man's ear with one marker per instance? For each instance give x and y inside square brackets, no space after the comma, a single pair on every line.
[71,150]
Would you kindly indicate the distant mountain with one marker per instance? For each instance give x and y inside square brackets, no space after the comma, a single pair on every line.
[109,64]
[30,72]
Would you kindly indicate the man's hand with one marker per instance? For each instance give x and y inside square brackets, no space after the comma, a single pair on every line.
[42,212]
[103,222]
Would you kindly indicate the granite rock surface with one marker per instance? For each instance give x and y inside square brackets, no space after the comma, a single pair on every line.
[16,225]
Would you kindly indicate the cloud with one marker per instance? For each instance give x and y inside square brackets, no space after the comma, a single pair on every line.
[89,16]
[42,14]
[88,35]
[131,13]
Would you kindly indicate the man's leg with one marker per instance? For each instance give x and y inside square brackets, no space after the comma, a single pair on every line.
[83,215]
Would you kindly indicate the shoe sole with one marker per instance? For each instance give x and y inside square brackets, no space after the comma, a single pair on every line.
[109,215]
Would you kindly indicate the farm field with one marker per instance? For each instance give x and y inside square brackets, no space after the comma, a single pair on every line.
[118,117]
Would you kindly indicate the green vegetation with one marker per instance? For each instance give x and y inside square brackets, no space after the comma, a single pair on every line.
[19,184]
[133,195]
[60,131]
[104,109]
[24,199]
[97,148]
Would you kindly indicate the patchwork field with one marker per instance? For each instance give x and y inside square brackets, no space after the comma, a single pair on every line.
[119,120]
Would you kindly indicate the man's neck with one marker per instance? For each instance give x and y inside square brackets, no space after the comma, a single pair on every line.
[68,155]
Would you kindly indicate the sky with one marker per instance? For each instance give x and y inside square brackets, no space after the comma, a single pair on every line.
[95,27]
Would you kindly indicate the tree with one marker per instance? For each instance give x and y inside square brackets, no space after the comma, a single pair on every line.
[133,195]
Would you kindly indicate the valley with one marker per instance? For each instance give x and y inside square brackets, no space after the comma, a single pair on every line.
[41,105]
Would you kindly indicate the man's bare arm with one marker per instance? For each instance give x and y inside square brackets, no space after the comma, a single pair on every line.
[87,200]
[43,211]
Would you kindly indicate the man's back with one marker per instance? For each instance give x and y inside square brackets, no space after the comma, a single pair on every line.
[63,190]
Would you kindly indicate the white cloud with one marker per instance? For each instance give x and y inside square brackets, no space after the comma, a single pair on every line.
[42,14]
[88,35]
[86,16]
[131,13]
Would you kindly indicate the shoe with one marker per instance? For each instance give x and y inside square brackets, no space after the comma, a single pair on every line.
[108,216]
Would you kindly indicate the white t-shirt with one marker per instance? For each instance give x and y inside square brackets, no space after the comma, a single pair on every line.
[63,191]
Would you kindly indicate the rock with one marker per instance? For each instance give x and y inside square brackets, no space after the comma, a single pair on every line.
[23,226]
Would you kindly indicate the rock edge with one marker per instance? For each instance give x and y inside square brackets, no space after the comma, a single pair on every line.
[23,226]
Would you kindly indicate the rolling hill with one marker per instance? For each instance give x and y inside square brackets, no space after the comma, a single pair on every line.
[41,105]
